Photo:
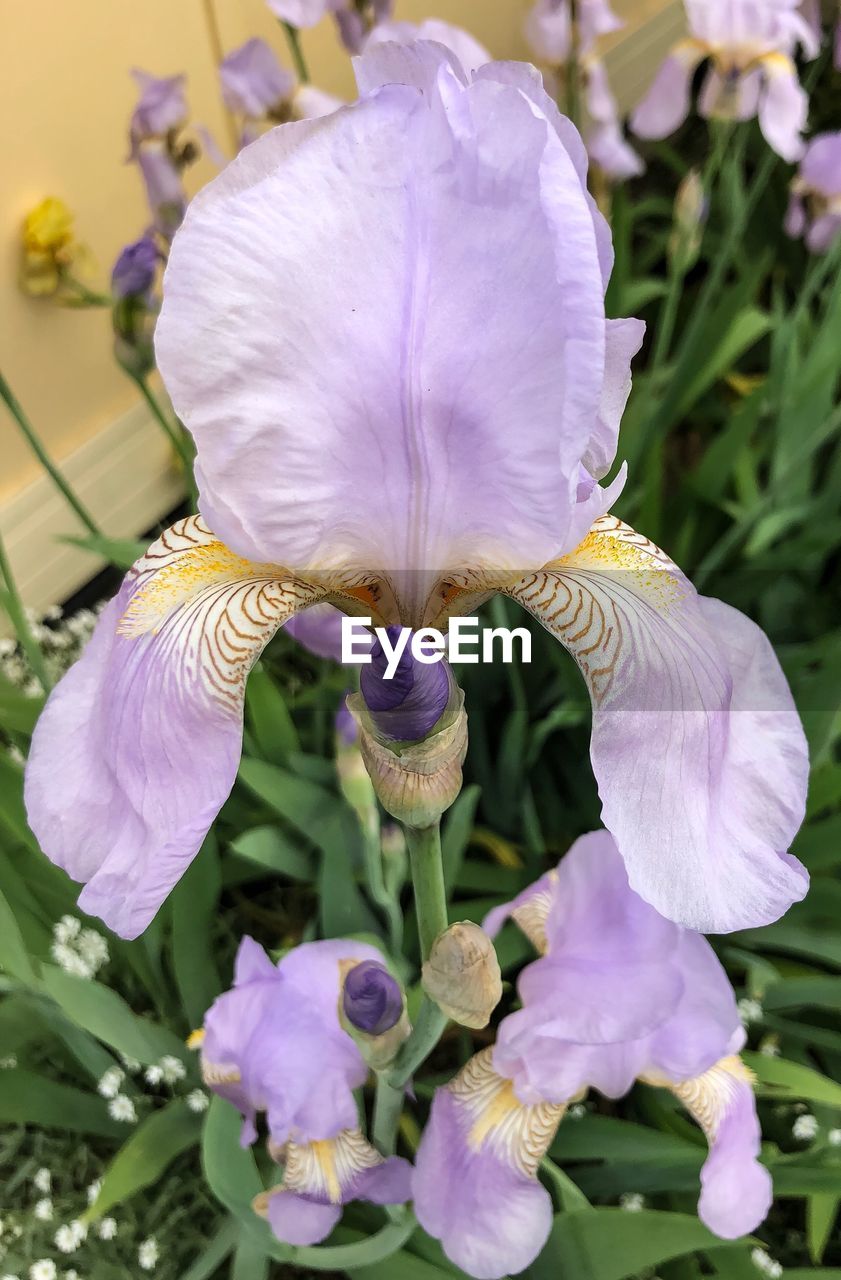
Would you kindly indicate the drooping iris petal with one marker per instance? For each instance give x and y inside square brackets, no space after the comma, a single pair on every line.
[736,1190]
[666,105]
[162,105]
[320,1177]
[443,214]
[697,748]
[138,746]
[470,53]
[815,202]
[253,81]
[319,629]
[783,107]
[475,1185]
[165,192]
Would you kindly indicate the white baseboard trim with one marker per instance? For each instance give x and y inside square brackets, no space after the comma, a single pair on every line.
[127,478]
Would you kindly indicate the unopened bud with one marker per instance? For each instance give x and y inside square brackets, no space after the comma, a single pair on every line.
[406,705]
[691,209]
[462,974]
[372,1009]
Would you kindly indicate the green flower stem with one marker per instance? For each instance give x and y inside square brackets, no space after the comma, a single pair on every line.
[389,906]
[424,845]
[347,1257]
[293,36]
[16,410]
[13,604]
[175,435]
[388,1104]
[425,1035]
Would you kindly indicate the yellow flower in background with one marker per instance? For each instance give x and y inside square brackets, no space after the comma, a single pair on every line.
[48,246]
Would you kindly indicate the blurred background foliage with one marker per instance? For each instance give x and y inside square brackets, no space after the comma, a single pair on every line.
[733,439]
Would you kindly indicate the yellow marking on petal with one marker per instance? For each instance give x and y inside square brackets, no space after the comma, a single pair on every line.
[325,1158]
[503,1102]
[195,1039]
[707,1097]
[517,1133]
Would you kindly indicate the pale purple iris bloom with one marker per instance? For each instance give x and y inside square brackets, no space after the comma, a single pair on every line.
[160,112]
[814,209]
[256,87]
[750,46]
[354,21]
[619,994]
[549,31]
[437,237]
[273,1044]
[470,53]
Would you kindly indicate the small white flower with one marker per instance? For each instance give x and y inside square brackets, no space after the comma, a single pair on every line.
[763,1262]
[577,1112]
[44,1210]
[72,1274]
[93,1190]
[749,1011]
[45,1269]
[67,929]
[147,1254]
[9,1277]
[153,1075]
[43,1180]
[70,1236]
[93,948]
[70,960]
[834,1137]
[173,1069]
[122,1108]
[131,1064]
[107,1228]
[15,754]
[9,1063]
[805,1128]
[110,1081]
[770,1049]
[632,1202]
[197,1100]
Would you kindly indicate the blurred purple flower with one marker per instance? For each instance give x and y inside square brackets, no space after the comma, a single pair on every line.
[437,236]
[162,106]
[620,994]
[355,19]
[134,271]
[470,53]
[159,114]
[254,84]
[814,208]
[261,1041]
[548,27]
[750,45]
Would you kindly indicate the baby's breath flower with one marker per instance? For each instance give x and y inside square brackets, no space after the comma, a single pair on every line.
[577,1112]
[173,1068]
[107,1228]
[93,1190]
[67,929]
[834,1137]
[632,1202]
[93,948]
[749,1011]
[72,1274]
[9,1277]
[43,1180]
[15,754]
[43,1210]
[770,1049]
[8,1063]
[70,960]
[763,1262]
[110,1081]
[70,1236]
[197,1100]
[153,1075]
[122,1108]
[805,1128]
[131,1064]
[44,1269]
[147,1254]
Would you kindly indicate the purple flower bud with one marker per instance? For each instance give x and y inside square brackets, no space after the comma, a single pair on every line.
[134,270]
[408,705]
[372,1000]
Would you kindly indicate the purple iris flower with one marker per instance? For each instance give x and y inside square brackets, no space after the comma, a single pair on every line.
[408,705]
[254,84]
[438,238]
[814,208]
[470,53]
[750,45]
[261,1041]
[161,108]
[549,31]
[619,994]
[159,114]
[134,271]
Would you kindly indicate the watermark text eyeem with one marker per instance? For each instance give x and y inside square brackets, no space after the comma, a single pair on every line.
[465,641]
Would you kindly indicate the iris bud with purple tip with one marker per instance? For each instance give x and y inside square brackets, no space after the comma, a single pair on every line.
[134,271]
[372,999]
[407,706]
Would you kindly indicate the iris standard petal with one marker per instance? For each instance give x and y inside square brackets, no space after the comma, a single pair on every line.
[138,746]
[697,748]
[475,1181]
[442,215]
[470,53]
[666,105]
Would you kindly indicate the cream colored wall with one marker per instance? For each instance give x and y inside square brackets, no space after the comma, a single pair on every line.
[65,99]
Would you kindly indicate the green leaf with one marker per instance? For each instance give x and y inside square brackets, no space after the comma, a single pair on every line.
[107,1016]
[269,847]
[14,957]
[229,1169]
[778,1078]
[610,1244]
[269,718]
[121,552]
[18,712]
[249,1261]
[821,1212]
[799,993]
[214,1253]
[151,1149]
[194,905]
[27,1098]
[455,832]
